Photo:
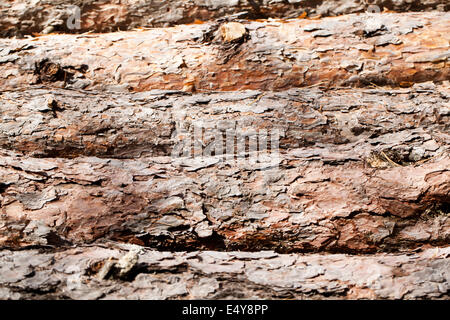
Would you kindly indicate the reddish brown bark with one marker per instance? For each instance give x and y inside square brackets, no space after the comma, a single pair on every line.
[76,273]
[24,17]
[66,123]
[94,126]
[332,202]
[386,49]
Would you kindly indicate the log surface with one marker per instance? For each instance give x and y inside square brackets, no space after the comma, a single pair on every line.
[25,17]
[354,50]
[307,201]
[413,122]
[359,170]
[79,274]
[115,182]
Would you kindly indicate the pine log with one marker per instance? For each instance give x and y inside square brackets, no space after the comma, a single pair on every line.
[117,178]
[359,170]
[83,273]
[410,124]
[309,200]
[354,50]
[25,17]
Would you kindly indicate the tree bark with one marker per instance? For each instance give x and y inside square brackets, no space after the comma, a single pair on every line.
[358,170]
[25,17]
[80,273]
[409,124]
[306,201]
[386,49]
[325,141]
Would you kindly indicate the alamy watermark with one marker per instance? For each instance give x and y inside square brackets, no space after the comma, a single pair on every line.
[74,20]
[372,7]
[233,143]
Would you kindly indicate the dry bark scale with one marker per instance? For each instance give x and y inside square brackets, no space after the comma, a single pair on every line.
[354,205]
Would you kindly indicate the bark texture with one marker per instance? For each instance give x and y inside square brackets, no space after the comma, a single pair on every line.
[25,17]
[110,150]
[97,272]
[342,181]
[353,50]
[410,124]
[314,201]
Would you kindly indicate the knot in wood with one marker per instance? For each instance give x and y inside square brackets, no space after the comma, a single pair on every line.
[232,31]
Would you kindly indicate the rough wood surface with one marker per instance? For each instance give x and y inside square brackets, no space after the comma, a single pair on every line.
[410,124]
[360,170]
[315,200]
[353,50]
[24,17]
[80,273]
[109,158]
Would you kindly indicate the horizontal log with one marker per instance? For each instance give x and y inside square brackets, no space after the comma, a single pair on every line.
[409,124]
[24,17]
[302,201]
[354,50]
[82,273]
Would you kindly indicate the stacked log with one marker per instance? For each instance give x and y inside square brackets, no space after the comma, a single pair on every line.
[115,154]
[25,17]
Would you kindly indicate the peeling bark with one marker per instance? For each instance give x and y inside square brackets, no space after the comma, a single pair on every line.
[408,124]
[307,201]
[23,17]
[74,274]
[354,50]
[112,146]
[359,170]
